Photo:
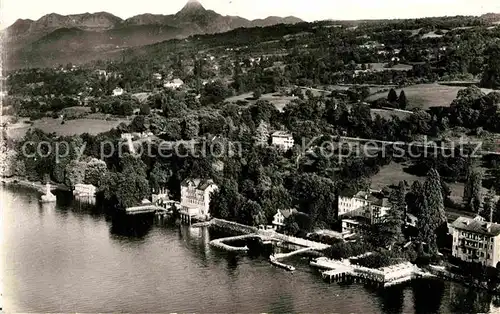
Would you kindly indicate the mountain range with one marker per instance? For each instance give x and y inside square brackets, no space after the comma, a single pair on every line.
[56,38]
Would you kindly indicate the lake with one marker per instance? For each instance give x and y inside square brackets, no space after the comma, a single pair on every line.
[71,257]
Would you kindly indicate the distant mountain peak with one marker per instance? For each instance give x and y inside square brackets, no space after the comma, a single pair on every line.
[192,6]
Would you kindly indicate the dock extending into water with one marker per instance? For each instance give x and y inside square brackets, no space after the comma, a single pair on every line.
[220,242]
[387,276]
[339,273]
[145,209]
[299,251]
[274,258]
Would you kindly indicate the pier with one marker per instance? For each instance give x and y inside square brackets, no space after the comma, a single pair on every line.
[145,209]
[299,251]
[387,276]
[340,273]
[274,258]
[220,242]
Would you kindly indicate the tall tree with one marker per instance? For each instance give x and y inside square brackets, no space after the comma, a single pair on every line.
[472,189]
[425,226]
[252,214]
[159,176]
[433,214]
[226,202]
[489,205]
[434,194]
[392,97]
[402,101]
[95,171]
[413,198]
[390,230]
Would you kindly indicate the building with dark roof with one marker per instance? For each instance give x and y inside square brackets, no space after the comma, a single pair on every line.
[476,240]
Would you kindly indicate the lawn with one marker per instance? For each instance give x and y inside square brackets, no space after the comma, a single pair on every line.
[70,127]
[387,114]
[394,173]
[427,95]
[278,101]
[378,67]
[373,88]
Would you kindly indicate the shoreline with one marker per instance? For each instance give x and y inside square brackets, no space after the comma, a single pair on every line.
[15,181]
[431,271]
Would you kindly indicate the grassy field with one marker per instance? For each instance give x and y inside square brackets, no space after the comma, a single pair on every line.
[75,112]
[387,114]
[373,88]
[394,173]
[70,127]
[278,101]
[427,95]
[377,66]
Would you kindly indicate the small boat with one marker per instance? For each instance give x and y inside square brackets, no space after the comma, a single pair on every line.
[48,197]
[274,261]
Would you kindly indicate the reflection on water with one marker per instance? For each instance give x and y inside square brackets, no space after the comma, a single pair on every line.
[469,300]
[392,299]
[74,257]
[131,227]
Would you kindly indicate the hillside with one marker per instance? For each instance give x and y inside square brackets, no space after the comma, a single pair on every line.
[55,38]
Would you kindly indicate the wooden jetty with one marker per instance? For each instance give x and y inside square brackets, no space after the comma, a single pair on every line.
[387,276]
[340,273]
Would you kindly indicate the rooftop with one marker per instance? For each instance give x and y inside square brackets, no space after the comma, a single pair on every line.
[476,226]
[374,197]
[200,184]
[282,134]
[287,212]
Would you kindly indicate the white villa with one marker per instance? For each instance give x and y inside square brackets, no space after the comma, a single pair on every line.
[280,216]
[195,198]
[127,136]
[475,240]
[282,140]
[361,209]
[174,84]
[118,91]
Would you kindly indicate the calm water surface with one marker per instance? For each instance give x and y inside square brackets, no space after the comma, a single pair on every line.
[67,257]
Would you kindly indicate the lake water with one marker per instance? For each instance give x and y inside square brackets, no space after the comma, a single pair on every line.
[67,257]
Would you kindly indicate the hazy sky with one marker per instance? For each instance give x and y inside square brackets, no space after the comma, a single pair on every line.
[309,10]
